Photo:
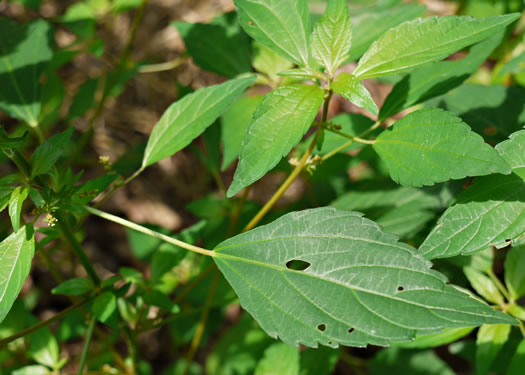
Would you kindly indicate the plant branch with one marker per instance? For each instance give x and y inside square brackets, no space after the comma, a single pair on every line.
[149,232]
[345,145]
[499,285]
[169,65]
[87,343]
[351,137]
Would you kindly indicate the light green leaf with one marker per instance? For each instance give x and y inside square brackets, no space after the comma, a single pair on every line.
[104,306]
[32,370]
[18,196]
[437,339]
[332,36]
[43,347]
[436,79]
[74,287]
[301,74]
[47,154]
[489,343]
[279,359]
[514,275]
[518,360]
[16,254]
[283,26]
[431,145]
[516,65]
[489,213]
[513,151]
[6,189]
[188,117]
[268,62]
[408,362]
[278,124]
[24,54]
[421,41]
[235,122]
[352,89]
[358,284]
[484,286]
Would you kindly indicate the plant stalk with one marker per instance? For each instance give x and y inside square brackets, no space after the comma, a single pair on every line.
[87,343]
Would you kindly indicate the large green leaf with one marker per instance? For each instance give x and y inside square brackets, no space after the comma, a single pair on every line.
[355,285]
[489,213]
[436,79]
[489,343]
[332,36]
[421,41]
[279,359]
[220,47]
[24,53]
[352,89]
[16,254]
[283,26]
[278,124]
[188,117]
[431,145]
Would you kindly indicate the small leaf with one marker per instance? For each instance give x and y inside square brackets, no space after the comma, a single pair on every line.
[301,74]
[279,359]
[484,286]
[188,117]
[278,124]
[489,343]
[408,362]
[24,55]
[74,287]
[283,26]
[43,347]
[11,142]
[353,90]
[104,306]
[18,196]
[32,370]
[421,41]
[431,145]
[362,286]
[514,275]
[332,36]
[437,339]
[47,154]
[16,254]
[513,151]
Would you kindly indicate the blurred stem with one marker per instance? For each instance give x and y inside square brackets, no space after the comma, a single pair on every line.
[173,64]
[194,283]
[351,137]
[149,232]
[238,211]
[522,328]
[345,145]
[87,343]
[202,323]
[499,285]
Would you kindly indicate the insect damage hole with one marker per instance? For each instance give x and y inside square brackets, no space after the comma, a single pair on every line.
[297,265]
[400,288]
[321,327]
[350,330]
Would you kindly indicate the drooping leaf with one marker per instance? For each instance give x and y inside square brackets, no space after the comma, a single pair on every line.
[421,41]
[24,54]
[16,254]
[235,122]
[514,275]
[431,145]
[188,117]
[436,79]
[18,197]
[489,343]
[278,124]
[280,359]
[332,36]
[352,89]
[47,154]
[351,283]
[283,26]
[220,47]
[489,213]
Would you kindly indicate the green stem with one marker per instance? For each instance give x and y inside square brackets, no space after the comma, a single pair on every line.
[19,160]
[153,68]
[345,145]
[149,232]
[499,285]
[87,343]
[351,137]
[77,248]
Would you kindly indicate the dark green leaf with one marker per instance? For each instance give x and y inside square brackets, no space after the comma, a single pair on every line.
[104,306]
[518,360]
[514,275]
[74,287]
[406,362]
[47,154]
[320,361]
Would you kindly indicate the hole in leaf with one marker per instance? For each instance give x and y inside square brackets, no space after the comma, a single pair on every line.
[297,265]
[350,330]
[321,327]
[400,288]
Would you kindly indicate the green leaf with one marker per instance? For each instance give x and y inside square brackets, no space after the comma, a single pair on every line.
[24,55]
[514,66]
[235,122]
[421,41]
[513,151]
[514,275]
[431,145]
[6,189]
[47,154]
[7,142]
[104,306]
[352,89]
[484,286]
[188,117]
[367,27]
[16,254]
[332,36]
[407,362]
[320,361]
[358,285]
[436,79]
[280,359]
[268,62]
[18,196]
[84,99]
[43,347]
[278,124]
[302,74]
[489,213]
[283,26]
[489,343]
[437,339]
[518,360]
[220,47]
[32,370]
[74,287]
